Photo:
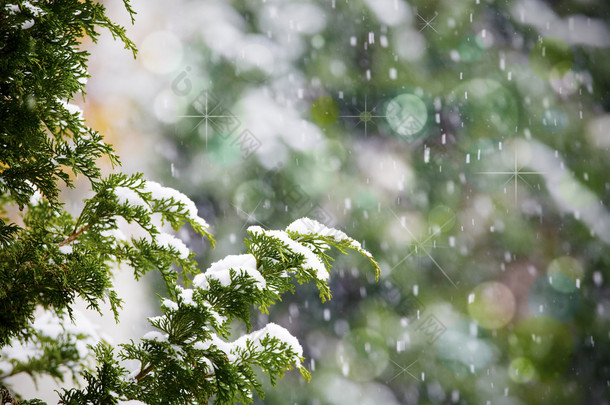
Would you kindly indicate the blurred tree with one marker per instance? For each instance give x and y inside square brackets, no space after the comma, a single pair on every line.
[464,141]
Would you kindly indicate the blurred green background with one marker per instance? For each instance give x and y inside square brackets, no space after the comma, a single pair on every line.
[464,143]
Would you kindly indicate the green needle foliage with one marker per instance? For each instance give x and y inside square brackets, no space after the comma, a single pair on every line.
[50,258]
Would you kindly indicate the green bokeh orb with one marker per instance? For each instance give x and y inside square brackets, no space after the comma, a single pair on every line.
[492,305]
[570,269]
[546,342]
[407,115]
[324,111]
[521,370]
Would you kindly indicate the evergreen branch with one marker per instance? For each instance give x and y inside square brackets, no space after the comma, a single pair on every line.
[7,398]
[144,372]
[74,235]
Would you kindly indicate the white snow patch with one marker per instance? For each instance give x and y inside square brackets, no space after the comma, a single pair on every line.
[5,368]
[169,304]
[223,346]
[35,10]
[209,364]
[114,233]
[159,192]
[312,261]
[242,264]
[128,196]
[271,329]
[219,319]
[65,249]
[200,221]
[308,226]
[72,109]
[169,241]
[155,335]
[11,8]
[187,296]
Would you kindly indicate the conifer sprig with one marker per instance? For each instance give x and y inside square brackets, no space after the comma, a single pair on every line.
[190,355]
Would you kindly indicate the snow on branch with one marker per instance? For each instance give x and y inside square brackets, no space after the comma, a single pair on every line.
[221,271]
[191,339]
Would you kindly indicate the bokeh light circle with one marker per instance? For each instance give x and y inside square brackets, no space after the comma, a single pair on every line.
[407,115]
[551,58]
[492,304]
[565,273]
[545,342]
[324,111]
[547,299]
[521,370]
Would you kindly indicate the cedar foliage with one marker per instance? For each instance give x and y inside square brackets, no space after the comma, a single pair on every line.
[55,258]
